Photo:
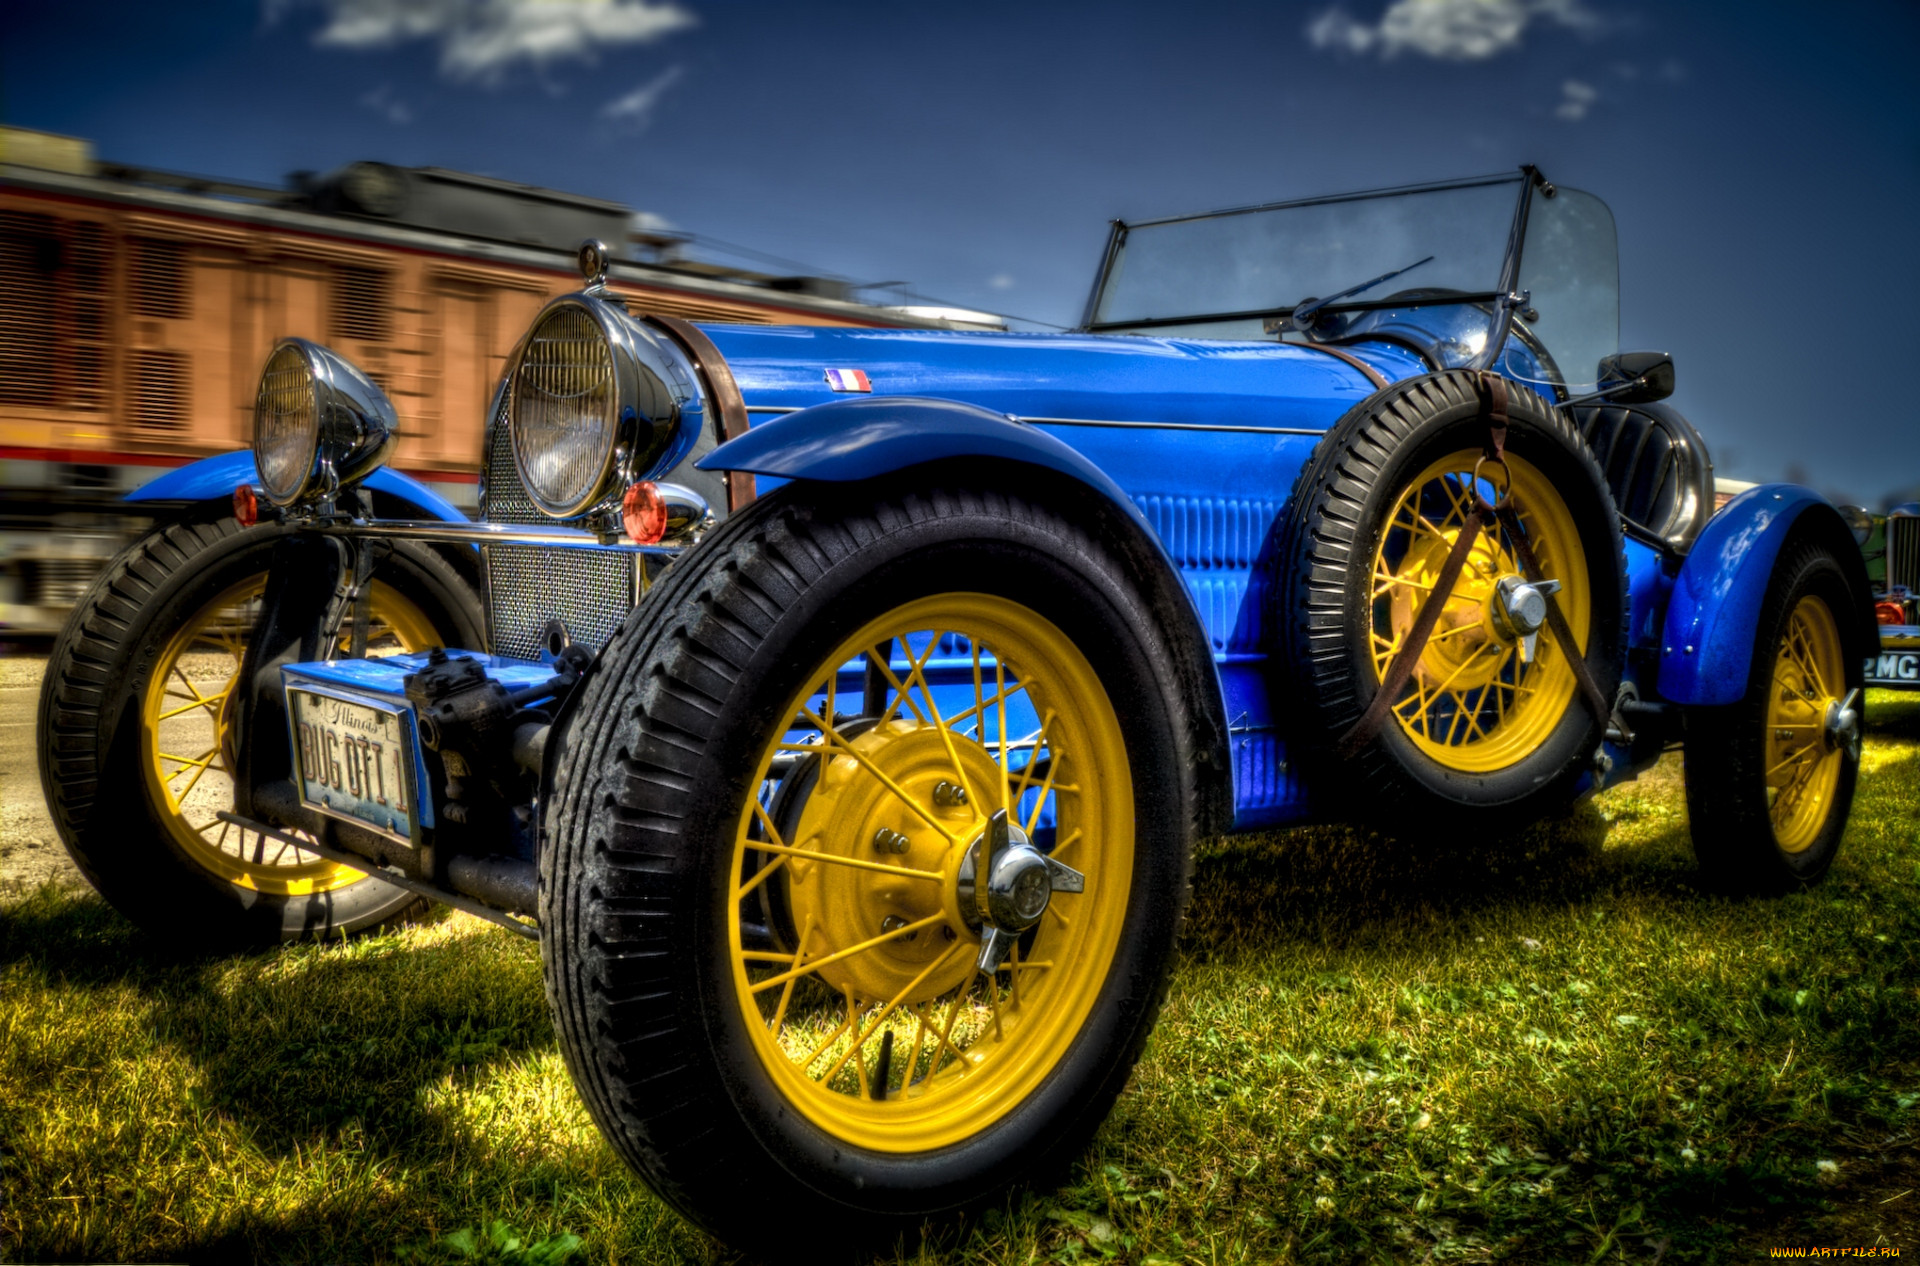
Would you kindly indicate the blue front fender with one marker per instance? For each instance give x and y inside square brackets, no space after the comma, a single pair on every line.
[1706,650]
[847,440]
[215,478]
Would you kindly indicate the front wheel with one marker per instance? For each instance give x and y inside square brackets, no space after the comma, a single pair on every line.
[135,717]
[871,843]
[1770,779]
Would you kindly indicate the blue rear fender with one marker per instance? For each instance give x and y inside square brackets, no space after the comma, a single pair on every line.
[215,478]
[845,441]
[1707,641]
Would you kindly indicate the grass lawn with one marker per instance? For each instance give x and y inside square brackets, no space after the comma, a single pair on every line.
[1553,1051]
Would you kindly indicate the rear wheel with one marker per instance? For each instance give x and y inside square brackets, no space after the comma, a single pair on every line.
[1770,779]
[135,722]
[773,965]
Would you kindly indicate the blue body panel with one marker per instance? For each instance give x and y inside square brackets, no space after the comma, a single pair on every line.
[1210,498]
[859,437]
[1116,378]
[1706,646]
[215,478]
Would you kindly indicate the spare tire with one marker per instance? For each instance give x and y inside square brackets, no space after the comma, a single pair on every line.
[1478,731]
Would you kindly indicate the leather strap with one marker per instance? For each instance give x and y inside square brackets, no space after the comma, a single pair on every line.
[1410,650]
[730,409]
[1374,376]
[1557,624]
[1493,407]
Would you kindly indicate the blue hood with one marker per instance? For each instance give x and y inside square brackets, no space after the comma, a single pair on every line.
[1127,378]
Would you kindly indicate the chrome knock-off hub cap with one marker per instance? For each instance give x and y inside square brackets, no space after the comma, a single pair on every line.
[1020,881]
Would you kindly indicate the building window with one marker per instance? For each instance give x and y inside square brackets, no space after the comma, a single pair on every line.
[362,306]
[29,264]
[160,279]
[54,275]
[159,386]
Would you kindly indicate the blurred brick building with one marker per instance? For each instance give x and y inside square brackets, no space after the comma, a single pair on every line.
[136,307]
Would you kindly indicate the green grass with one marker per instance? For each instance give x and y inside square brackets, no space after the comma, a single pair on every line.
[1549,1050]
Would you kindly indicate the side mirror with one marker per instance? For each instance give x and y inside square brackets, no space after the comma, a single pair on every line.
[1636,377]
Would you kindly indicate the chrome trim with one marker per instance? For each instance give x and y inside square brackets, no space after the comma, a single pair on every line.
[556,537]
[1151,426]
[1172,426]
[661,407]
[688,514]
[356,428]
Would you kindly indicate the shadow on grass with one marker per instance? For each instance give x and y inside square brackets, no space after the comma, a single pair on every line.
[354,1098]
[1335,884]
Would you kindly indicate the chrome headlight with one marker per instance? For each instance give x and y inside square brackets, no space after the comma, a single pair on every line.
[596,401]
[319,424]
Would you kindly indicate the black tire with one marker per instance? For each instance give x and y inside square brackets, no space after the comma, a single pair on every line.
[1741,843]
[1337,521]
[94,745]
[652,783]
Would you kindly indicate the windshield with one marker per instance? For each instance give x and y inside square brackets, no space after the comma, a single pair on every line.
[1570,270]
[1269,260]
[1419,266]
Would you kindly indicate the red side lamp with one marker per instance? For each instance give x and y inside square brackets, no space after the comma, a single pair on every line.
[643,513]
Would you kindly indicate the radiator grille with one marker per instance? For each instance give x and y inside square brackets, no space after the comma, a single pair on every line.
[527,586]
[1903,552]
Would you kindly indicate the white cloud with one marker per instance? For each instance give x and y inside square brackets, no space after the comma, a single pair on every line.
[382,101]
[1001,281]
[1576,98]
[635,110]
[482,39]
[1449,30]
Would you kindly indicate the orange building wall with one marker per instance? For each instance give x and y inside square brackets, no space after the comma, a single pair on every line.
[125,333]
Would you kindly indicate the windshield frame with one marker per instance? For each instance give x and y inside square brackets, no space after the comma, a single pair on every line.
[1525,180]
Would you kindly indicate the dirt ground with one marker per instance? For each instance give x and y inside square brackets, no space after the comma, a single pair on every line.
[30,849]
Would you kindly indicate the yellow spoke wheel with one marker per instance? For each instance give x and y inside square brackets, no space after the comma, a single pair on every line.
[185,747]
[1474,703]
[874,975]
[1770,776]
[1802,764]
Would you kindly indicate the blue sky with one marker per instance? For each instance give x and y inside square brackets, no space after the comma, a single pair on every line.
[1762,159]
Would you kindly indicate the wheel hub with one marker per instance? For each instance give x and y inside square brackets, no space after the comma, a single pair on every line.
[1841,724]
[1518,611]
[917,835]
[1453,653]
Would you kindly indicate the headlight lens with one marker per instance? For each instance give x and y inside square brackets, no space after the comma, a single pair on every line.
[286,424]
[566,410]
[594,402]
[319,424]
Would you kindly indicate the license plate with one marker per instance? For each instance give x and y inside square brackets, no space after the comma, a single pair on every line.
[355,762]
[1900,669]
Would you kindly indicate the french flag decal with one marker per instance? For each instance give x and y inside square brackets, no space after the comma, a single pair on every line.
[848,380]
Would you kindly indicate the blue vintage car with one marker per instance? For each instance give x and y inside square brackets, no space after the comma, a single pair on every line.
[839,708]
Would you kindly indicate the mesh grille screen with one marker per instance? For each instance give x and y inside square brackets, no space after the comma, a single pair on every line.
[527,586]
[1903,552]
[503,499]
